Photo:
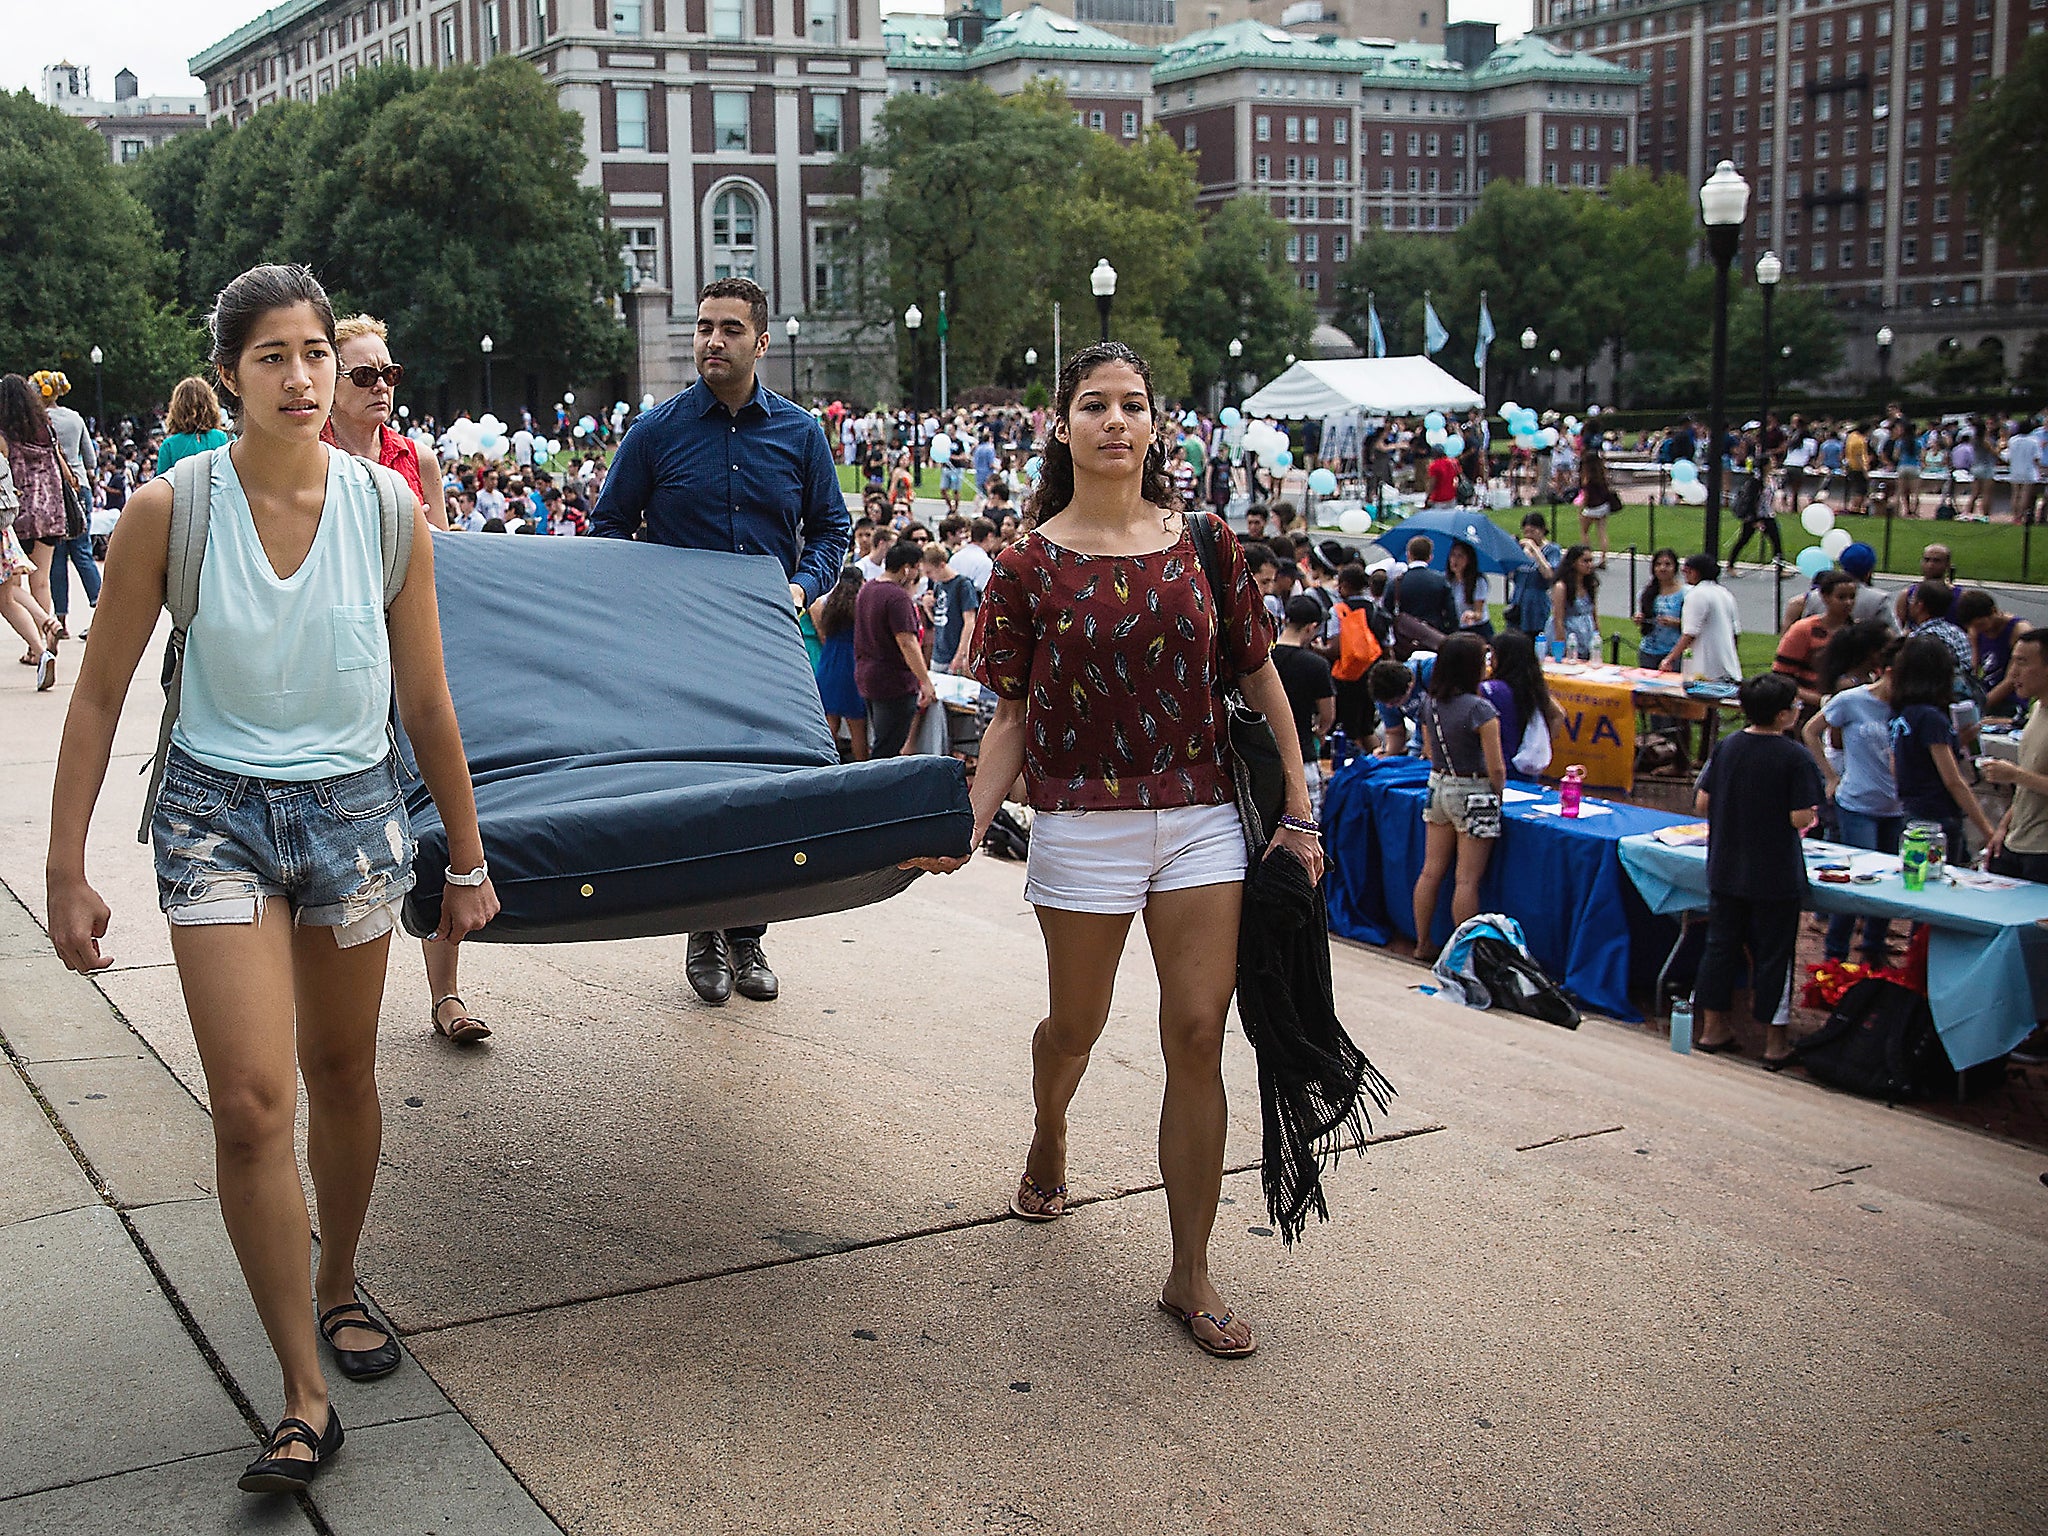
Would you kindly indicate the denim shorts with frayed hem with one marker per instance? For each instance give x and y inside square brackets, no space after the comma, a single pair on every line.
[339,851]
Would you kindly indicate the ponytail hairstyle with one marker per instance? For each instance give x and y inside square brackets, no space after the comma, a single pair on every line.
[1056,468]
[244,303]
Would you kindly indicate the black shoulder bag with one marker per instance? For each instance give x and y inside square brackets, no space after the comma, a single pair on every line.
[1254,750]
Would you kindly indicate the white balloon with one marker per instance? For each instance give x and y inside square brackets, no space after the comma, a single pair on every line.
[1355,521]
[1835,540]
[647,402]
[1692,492]
[1508,409]
[942,448]
[554,446]
[1817,519]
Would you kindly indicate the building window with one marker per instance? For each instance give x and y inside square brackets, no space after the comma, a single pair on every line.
[1314,168]
[626,17]
[1311,129]
[727,19]
[1386,143]
[1130,125]
[1414,181]
[1311,281]
[1262,129]
[1262,168]
[1486,143]
[1294,130]
[630,114]
[1294,247]
[1340,131]
[492,40]
[824,23]
[1340,168]
[729,112]
[734,241]
[826,124]
[831,267]
[1432,144]
[1187,137]
[447,45]
[131,151]
[1311,248]
[1339,247]
[1550,135]
[1095,121]
[1294,167]
[641,246]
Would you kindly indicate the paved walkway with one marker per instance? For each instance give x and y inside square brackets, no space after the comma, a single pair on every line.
[666,1268]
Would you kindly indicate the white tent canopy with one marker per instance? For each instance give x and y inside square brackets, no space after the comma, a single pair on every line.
[1379,386]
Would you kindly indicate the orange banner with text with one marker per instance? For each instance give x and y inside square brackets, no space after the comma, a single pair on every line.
[1599,730]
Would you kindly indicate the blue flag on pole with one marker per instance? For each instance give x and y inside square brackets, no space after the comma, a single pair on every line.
[1375,337]
[1434,336]
[1485,336]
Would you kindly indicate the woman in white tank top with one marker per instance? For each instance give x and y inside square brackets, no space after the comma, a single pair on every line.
[282,846]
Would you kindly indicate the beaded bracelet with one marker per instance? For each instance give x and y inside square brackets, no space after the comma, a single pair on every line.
[1297,824]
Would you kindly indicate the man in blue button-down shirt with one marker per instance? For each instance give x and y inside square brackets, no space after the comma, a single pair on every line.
[730,465]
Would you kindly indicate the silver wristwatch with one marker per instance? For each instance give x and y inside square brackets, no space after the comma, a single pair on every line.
[476,876]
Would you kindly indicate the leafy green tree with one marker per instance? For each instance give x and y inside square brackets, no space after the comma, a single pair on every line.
[456,212]
[1636,290]
[251,180]
[1953,368]
[168,182]
[80,265]
[1395,271]
[1240,288]
[2002,150]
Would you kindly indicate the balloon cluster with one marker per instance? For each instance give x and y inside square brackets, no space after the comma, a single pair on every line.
[1527,430]
[1819,520]
[1269,442]
[486,435]
[1686,487]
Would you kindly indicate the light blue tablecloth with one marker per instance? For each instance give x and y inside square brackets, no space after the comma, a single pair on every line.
[1987,955]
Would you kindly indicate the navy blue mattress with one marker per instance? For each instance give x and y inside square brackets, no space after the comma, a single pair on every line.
[649,752]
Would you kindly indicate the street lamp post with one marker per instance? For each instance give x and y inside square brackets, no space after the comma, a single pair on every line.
[913,317]
[1768,270]
[1103,281]
[793,326]
[488,346]
[1884,358]
[1724,203]
[99,394]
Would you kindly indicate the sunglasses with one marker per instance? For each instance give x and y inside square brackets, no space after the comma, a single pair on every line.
[366,377]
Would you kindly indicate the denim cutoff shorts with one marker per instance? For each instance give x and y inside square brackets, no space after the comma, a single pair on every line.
[338,850]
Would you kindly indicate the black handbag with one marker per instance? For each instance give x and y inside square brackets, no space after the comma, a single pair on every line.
[1254,750]
[75,520]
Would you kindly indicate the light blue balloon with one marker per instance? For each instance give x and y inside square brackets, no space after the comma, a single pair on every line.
[1032,466]
[1283,460]
[1684,472]
[1230,416]
[1189,419]
[1322,482]
[1813,560]
[1433,422]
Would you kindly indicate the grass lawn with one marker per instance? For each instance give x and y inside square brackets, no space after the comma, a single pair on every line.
[1983,551]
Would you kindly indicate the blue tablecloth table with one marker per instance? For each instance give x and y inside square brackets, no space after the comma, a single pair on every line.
[1987,953]
[1559,878]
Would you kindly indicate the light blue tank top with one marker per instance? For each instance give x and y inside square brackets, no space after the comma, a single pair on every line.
[290,678]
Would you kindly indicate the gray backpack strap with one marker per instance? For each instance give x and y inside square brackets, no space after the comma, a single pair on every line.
[185,553]
[395,505]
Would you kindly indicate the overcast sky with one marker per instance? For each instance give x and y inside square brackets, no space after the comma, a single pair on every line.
[155,38]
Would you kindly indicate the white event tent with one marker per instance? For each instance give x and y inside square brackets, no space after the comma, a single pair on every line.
[1374,386]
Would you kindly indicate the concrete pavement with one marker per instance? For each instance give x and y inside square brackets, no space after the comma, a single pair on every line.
[667,1268]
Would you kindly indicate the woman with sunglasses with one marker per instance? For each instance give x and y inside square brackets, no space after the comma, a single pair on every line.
[360,423]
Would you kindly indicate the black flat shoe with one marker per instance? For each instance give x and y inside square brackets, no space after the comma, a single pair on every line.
[1731,1045]
[708,965]
[273,1473]
[359,1364]
[751,976]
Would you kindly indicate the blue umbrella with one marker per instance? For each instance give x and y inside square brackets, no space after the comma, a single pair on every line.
[1497,550]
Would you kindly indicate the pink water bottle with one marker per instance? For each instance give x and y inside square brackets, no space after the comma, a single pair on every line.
[1568,790]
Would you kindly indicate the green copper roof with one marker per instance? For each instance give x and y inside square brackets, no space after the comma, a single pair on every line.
[1245,44]
[272,20]
[922,42]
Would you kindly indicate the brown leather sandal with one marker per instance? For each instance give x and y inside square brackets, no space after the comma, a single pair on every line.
[462,1029]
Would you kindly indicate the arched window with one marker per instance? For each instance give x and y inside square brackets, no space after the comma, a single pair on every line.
[733,239]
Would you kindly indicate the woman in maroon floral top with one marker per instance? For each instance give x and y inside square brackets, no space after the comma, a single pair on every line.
[1102,639]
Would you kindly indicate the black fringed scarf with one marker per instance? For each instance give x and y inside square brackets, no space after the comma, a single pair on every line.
[1313,1082]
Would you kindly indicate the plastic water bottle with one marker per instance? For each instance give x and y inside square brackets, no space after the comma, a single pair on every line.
[1340,749]
[1571,648]
[1913,852]
[1569,790]
[1681,1025]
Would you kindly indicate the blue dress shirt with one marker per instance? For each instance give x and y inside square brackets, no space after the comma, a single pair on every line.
[758,481]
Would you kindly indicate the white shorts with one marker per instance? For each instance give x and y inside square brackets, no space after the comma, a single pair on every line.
[1110,861]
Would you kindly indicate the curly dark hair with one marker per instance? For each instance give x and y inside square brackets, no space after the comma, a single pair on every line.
[1056,470]
[22,417]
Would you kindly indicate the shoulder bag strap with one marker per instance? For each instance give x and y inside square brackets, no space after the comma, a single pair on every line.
[394,507]
[1202,526]
[184,554]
